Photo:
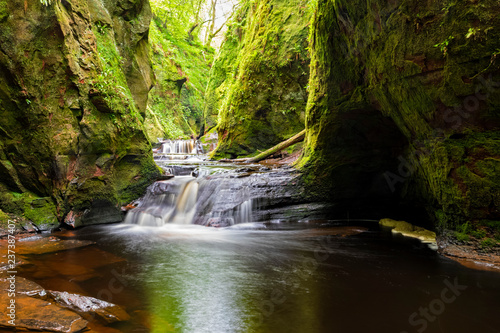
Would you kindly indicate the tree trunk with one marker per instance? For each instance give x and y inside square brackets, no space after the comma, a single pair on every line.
[280,146]
[210,30]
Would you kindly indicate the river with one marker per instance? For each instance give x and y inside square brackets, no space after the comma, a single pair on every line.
[271,276]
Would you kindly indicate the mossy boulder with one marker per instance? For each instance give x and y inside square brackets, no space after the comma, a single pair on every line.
[74,80]
[403,111]
[257,88]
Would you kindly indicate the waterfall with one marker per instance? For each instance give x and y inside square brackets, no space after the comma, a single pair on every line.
[211,193]
[172,202]
[181,147]
[187,200]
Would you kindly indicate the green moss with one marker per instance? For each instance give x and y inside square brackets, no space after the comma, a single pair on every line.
[461,237]
[4,10]
[176,102]
[4,219]
[256,93]
[111,83]
[488,243]
[438,113]
[41,211]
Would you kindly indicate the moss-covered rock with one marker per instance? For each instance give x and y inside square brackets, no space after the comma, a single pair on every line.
[404,107]
[181,65]
[74,80]
[257,88]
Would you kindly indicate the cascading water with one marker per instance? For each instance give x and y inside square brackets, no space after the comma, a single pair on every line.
[166,202]
[213,194]
[181,147]
[197,194]
[188,200]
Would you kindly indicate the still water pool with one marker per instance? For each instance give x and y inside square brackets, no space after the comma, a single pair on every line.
[318,276]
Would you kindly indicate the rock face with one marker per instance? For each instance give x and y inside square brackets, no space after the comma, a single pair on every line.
[74,80]
[257,88]
[181,65]
[404,107]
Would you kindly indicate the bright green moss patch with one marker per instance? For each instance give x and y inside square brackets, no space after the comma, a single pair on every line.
[409,230]
[489,243]
[4,219]
[257,89]
[426,68]
[181,67]
[4,10]
[41,211]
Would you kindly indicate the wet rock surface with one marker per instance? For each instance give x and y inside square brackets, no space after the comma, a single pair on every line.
[469,255]
[39,315]
[39,309]
[225,197]
[90,306]
[41,245]
[22,286]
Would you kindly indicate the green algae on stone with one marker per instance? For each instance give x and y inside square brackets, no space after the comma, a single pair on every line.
[73,91]
[409,230]
[394,119]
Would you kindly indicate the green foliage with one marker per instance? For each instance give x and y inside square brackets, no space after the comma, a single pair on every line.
[478,234]
[176,110]
[461,237]
[255,93]
[443,46]
[111,82]
[488,243]
[477,33]
[177,16]
[4,11]
[45,2]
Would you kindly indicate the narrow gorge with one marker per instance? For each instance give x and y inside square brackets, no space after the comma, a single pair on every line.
[227,166]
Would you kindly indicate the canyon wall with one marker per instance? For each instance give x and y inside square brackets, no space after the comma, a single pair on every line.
[74,82]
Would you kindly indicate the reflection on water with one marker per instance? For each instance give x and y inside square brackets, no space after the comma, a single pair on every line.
[312,277]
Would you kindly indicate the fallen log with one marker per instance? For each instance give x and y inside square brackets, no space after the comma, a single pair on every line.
[228,160]
[280,146]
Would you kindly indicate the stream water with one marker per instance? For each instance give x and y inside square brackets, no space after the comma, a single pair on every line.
[264,272]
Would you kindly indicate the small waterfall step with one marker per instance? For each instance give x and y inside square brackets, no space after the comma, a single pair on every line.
[189,200]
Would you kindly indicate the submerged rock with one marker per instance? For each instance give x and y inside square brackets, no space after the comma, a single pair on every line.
[108,312]
[51,315]
[40,245]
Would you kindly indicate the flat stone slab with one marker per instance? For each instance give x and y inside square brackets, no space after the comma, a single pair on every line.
[23,286]
[108,312]
[41,245]
[39,315]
